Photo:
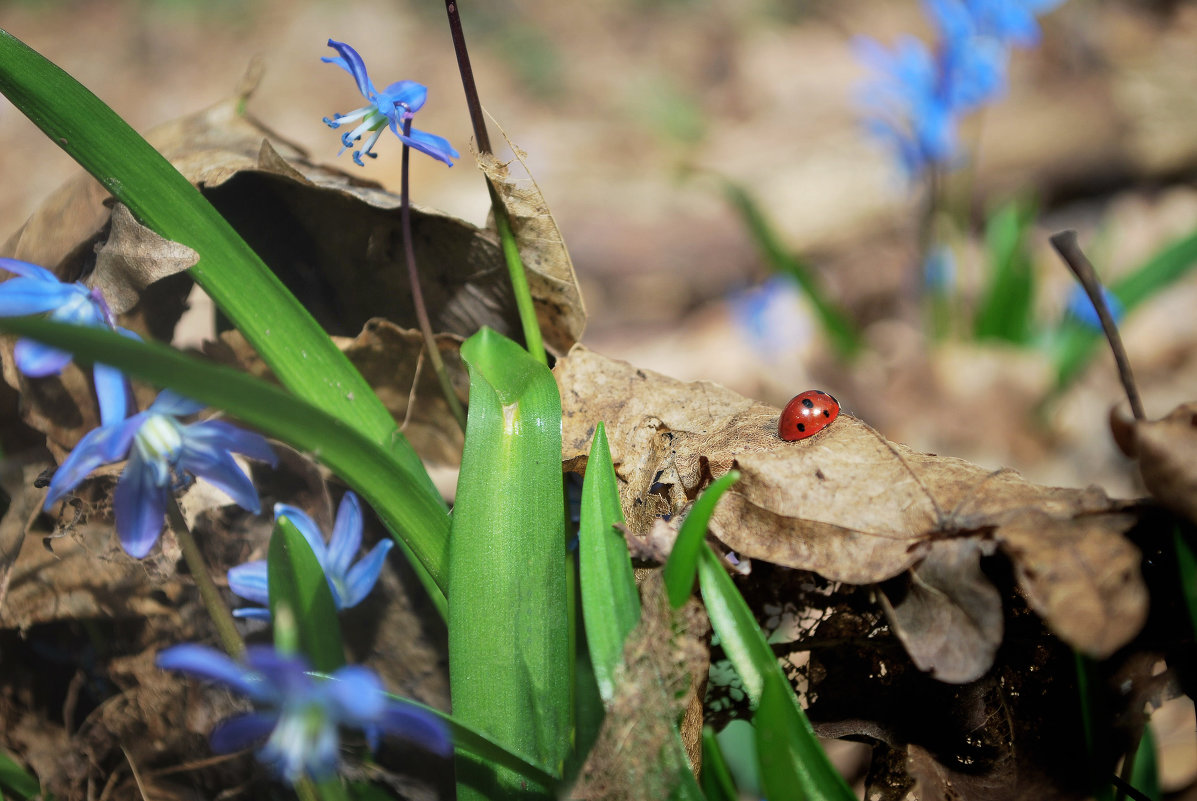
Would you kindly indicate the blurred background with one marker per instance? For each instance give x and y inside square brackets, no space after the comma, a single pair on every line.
[636,113]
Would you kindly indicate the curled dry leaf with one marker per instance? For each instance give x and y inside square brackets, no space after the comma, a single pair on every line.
[1166,450]
[559,306]
[854,507]
[132,258]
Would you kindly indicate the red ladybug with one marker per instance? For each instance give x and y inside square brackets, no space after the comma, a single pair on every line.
[807,414]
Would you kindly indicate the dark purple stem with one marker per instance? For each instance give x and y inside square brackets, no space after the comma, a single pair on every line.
[467,78]
[417,295]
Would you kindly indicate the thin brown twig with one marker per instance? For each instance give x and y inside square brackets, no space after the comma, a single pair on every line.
[1066,245]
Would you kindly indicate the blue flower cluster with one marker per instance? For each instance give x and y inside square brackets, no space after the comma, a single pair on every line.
[918,94]
[298,714]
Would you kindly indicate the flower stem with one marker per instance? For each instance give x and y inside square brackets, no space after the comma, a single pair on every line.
[417,295]
[511,254]
[226,629]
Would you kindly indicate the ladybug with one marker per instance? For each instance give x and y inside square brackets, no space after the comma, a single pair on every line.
[807,414]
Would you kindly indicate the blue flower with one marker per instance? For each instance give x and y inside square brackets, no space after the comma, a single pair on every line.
[164,456]
[395,105]
[300,713]
[349,584]
[1011,21]
[1081,308]
[36,290]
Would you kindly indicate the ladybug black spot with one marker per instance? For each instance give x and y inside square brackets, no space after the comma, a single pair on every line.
[801,428]
[826,413]
[808,403]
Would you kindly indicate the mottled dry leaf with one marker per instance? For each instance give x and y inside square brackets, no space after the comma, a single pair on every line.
[948,616]
[635,756]
[559,306]
[850,505]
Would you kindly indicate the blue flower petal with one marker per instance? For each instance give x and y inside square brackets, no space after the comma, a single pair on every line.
[436,146]
[241,732]
[346,536]
[409,96]
[37,360]
[20,296]
[307,527]
[352,63]
[221,436]
[357,696]
[210,664]
[172,403]
[418,726]
[362,577]
[112,391]
[286,673]
[102,446]
[220,469]
[250,581]
[27,270]
[253,613]
[140,507]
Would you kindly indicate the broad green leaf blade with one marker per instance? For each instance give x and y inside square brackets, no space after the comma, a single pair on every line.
[717,782]
[414,516]
[1145,774]
[683,559]
[297,582]
[509,648]
[279,328]
[16,779]
[610,601]
[774,735]
[755,662]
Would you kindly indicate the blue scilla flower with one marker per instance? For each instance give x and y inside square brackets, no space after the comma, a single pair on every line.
[1081,309]
[164,456]
[350,583]
[1011,21]
[395,105]
[36,290]
[299,714]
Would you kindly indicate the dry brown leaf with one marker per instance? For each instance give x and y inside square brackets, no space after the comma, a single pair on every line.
[551,278]
[132,258]
[1166,450]
[634,756]
[850,505]
[949,617]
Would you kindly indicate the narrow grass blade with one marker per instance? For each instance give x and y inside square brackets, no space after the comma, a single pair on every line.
[1145,773]
[275,323]
[1186,562]
[683,559]
[754,661]
[1005,308]
[297,582]
[415,517]
[839,329]
[717,782]
[509,647]
[610,601]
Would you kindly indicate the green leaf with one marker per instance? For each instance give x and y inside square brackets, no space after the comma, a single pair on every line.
[298,351]
[469,740]
[1145,773]
[1186,562]
[745,645]
[15,778]
[415,517]
[836,325]
[610,601]
[1006,305]
[510,654]
[299,589]
[717,782]
[683,559]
